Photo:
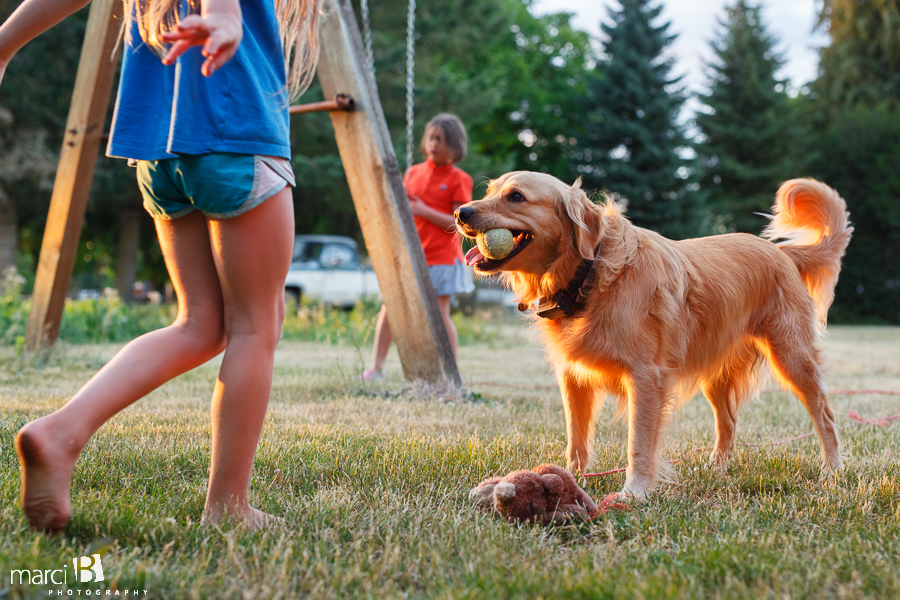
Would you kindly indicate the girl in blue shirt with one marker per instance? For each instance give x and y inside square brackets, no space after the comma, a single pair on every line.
[202,113]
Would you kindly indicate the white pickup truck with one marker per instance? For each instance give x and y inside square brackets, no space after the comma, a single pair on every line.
[327,268]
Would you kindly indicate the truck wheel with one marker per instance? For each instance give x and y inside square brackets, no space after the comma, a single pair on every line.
[292,295]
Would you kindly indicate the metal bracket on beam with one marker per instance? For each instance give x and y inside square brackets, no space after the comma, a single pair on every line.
[341,102]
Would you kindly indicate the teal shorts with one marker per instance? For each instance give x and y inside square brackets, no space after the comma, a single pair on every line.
[220,185]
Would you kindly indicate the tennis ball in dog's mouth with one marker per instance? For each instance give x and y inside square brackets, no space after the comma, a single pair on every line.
[496,244]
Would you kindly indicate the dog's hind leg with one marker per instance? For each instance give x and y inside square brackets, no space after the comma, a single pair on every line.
[796,362]
[725,391]
[724,406]
[648,396]
[581,401]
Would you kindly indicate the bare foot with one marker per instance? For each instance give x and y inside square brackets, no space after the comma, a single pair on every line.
[252,519]
[262,520]
[47,465]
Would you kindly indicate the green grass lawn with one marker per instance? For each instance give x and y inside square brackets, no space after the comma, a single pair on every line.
[373,481]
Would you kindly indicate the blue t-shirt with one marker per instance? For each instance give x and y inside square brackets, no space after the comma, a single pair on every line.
[162,111]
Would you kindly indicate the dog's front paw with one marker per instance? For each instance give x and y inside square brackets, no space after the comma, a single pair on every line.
[720,458]
[635,489]
[578,460]
[834,465]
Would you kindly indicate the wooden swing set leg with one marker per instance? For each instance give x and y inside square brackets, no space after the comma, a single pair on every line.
[87,112]
[384,215]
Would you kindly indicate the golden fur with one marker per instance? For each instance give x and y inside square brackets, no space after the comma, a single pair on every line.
[665,317]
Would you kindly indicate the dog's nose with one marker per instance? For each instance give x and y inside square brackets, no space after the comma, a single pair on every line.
[464,213]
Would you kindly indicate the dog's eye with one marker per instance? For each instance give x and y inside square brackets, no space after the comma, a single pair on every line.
[515,197]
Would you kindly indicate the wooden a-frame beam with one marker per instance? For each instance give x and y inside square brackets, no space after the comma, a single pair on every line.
[87,113]
[381,204]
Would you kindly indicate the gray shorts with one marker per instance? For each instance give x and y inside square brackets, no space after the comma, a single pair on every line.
[451,279]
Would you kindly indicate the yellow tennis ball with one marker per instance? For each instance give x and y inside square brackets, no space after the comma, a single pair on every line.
[496,243]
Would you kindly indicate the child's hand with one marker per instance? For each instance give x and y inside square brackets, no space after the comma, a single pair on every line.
[220,35]
[417,206]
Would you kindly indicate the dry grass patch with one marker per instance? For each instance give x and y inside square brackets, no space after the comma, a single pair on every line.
[372,481]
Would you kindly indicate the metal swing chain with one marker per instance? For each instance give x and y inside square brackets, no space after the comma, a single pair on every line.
[367,35]
[410,66]
[410,78]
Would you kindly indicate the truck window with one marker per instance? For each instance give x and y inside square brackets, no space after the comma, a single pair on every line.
[307,251]
[338,256]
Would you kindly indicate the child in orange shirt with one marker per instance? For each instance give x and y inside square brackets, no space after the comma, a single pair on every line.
[436,188]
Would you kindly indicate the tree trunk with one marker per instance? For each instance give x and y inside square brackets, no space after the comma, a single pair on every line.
[126,260]
[9,233]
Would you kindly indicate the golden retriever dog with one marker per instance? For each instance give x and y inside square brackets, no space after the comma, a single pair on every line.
[656,319]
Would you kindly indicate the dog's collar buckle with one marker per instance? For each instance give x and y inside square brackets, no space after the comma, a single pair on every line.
[557,306]
[566,302]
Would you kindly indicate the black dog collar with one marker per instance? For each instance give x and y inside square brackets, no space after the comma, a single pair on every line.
[566,302]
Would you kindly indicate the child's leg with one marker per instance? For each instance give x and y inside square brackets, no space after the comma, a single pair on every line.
[48,447]
[252,254]
[444,304]
[383,336]
[383,339]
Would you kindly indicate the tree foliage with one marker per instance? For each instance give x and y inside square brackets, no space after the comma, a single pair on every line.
[861,66]
[632,139]
[34,105]
[859,154]
[747,126]
[535,95]
[513,78]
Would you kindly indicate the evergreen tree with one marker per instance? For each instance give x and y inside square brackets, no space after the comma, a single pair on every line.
[747,129]
[632,139]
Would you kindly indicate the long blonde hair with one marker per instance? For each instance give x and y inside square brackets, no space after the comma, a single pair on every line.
[298,23]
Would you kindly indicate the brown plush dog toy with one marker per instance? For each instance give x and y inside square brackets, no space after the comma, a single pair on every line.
[547,494]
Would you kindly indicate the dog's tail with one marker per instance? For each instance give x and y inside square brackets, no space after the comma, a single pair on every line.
[813,221]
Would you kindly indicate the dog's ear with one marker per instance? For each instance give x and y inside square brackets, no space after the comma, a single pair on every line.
[582,220]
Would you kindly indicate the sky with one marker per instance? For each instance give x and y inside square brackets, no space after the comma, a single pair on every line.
[696,23]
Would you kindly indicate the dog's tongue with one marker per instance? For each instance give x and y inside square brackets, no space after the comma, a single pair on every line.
[473,256]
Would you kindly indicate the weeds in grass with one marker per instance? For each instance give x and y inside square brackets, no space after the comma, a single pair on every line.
[113,321]
[84,321]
